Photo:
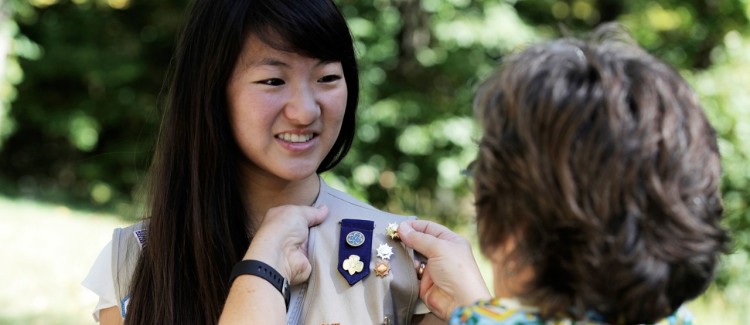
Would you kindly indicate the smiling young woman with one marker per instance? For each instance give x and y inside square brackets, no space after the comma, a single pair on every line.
[262,100]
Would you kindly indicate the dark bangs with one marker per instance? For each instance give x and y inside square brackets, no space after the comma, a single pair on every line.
[311,28]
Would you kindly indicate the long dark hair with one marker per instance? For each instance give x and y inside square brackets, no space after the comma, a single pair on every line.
[598,160]
[197,224]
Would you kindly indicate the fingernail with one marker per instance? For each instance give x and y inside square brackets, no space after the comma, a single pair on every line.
[405,229]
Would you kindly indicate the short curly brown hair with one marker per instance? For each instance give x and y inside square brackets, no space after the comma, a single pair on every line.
[598,159]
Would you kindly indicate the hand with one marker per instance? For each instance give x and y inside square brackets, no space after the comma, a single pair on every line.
[281,240]
[451,278]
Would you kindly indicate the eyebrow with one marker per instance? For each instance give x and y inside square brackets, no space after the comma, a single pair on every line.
[267,61]
[278,63]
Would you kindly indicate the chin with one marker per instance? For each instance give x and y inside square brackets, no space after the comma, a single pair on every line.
[298,173]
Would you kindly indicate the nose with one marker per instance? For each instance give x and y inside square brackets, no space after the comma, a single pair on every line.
[303,107]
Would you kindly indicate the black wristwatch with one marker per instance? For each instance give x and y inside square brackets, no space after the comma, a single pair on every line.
[265,271]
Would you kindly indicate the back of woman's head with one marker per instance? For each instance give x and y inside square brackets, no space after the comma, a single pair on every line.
[197,225]
[598,160]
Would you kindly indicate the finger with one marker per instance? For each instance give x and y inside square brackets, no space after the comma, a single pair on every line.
[424,243]
[431,228]
[302,275]
[312,215]
[437,300]
[320,214]
[425,285]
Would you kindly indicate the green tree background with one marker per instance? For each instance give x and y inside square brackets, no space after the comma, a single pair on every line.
[83,80]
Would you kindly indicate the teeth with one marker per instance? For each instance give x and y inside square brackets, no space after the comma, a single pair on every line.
[290,137]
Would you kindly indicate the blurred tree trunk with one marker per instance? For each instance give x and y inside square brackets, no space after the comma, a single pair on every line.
[414,35]
[609,10]
[707,11]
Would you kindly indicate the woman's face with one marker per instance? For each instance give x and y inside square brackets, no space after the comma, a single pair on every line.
[285,109]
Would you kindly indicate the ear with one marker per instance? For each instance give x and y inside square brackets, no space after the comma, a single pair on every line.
[500,252]
[508,280]
[500,264]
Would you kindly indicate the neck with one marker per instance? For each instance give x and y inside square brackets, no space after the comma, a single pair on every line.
[263,192]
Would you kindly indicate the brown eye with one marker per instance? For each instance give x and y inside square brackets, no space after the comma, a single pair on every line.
[329,78]
[271,82]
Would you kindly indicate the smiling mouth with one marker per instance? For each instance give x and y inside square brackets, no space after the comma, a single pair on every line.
[295,138]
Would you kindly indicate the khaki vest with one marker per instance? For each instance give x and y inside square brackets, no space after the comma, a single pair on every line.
[326,298]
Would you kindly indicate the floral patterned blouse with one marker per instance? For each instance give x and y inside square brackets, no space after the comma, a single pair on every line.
[511,312]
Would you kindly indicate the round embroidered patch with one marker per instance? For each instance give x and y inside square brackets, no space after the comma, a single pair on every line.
[355,238]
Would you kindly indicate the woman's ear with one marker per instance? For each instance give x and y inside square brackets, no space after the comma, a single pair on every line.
[498,256]
[509,274]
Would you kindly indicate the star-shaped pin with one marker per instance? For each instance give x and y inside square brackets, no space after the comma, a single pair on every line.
[353,264]
[385,251]
[392,230]
[382,268]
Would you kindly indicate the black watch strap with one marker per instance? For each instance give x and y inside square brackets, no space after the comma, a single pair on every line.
[265,271]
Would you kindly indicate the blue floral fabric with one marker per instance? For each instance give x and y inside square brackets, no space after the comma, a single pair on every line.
[511,312]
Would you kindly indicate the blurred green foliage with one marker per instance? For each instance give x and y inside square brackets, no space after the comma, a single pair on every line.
[86,111]
[85,78]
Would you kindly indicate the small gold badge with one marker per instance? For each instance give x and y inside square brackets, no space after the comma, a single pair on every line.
[353,264]
[392,230]
[382,268]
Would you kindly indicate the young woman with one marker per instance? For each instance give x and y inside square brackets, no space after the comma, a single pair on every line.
[597,193]
[262,100]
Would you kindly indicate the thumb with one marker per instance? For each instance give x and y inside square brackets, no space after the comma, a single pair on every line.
[425,244]
[318,216]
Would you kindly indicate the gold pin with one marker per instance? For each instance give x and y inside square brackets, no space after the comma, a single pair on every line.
[392,230]
[353,264]
[382,268]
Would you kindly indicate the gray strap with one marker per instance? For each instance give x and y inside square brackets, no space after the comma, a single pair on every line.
[126,248]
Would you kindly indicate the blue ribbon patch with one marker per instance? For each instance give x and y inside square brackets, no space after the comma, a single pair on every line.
[124,306]
[355,249]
